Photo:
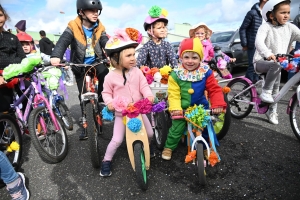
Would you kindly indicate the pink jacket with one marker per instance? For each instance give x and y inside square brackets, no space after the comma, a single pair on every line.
[135,89]
[208,50]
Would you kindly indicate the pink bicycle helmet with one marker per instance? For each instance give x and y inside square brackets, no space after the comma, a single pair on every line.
[155,14]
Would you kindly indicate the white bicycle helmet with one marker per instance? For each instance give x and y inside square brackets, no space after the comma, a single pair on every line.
[269,6]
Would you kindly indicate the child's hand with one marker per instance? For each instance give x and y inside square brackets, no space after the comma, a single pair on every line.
[272,57]
[54,61]
[2,81]
[217,110]
[232,59]
[151,99]
[110,107]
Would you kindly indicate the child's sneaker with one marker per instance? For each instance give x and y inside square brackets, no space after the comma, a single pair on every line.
[272,117]
[19,192]
[266,96]
[105,169]
[166,154]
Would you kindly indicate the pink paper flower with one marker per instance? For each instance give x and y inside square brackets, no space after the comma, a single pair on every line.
[120,103]
[140,38]
[144,106]
[122,35]
[149,78]
[130,112]
[145,69]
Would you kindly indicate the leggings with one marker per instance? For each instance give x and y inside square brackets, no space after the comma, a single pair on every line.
[119,133]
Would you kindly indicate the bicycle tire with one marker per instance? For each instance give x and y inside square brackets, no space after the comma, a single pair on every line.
[294,118]
[200,164]
[225,122]
[161,128]
[13,135]
[140,166]
[51,138]
[93,134]
[237,109]
[65,115]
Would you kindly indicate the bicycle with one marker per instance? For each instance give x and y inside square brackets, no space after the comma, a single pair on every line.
[243,95]
[92,117]
[57,101]
[162,121]
[195,141]
[47,133]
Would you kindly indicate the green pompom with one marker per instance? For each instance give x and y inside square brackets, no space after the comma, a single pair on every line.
[155,11]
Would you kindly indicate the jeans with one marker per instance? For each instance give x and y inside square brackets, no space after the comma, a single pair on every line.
[7,172]
[297,45]
[250,73]
[69,75]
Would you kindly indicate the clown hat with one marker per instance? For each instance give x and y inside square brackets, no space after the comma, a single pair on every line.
[123,39]
[191,44]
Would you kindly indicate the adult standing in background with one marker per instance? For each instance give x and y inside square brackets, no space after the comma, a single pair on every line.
[21,26]
[46,45]
[248,30]
[297,23]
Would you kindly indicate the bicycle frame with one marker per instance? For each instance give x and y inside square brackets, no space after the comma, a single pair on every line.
[34,100]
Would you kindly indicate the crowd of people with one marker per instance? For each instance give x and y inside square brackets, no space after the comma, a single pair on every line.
[261,36]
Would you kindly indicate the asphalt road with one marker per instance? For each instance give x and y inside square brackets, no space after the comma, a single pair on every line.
[258,161]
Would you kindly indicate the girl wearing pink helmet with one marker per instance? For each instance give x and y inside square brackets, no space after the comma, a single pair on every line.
[156,52]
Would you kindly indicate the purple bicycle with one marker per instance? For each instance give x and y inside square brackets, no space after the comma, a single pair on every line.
[47,132]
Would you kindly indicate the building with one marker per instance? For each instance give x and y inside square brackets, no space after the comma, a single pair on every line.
[180,32]
[36,36]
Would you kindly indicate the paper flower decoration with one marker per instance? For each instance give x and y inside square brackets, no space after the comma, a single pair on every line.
[164,12]
[140,38]
[120,103]
[134,125]
[164,79]
[159,107]
[145,69]
[107,114]
[165,70]
[130,112]
[197,115]
[144,106]
[155,11]
[157,77]
[122,35]
[132,33]
[149,78]
[14,146]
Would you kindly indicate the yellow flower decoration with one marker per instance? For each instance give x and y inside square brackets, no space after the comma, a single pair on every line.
[191,91]
[115,41]
[14,146]
[165,70]
[124,120]
[164,12]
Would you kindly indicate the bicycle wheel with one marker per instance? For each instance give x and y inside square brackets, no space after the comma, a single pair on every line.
[162,124]
[200,164]
[52,146]
[10,134]
[93,135]
[140,166]
[65,115]
[295,117]
[222,122]
[240,106]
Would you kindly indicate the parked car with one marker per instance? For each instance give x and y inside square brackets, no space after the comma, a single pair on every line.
[230,44]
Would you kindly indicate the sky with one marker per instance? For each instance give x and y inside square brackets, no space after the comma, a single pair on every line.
[45,15]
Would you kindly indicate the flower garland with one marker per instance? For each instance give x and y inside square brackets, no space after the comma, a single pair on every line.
[291,66]
[197,115]
[156,75]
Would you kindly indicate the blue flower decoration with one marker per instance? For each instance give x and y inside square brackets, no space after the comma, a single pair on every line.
[134,125]
[107,114]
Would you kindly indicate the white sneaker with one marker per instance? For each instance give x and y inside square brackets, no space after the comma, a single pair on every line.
[266,96]
[272,117]
[64,82]
[69,84]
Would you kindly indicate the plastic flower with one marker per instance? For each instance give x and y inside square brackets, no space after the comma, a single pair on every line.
[132,33]
[145,69]
[144,106]
[134,125]
[165,70]
[157,77]
[120,103]
[155,11]
[149,78]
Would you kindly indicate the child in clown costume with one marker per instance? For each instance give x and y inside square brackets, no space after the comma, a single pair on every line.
[187,83]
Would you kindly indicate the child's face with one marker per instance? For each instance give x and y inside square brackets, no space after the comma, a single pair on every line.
[282,14]
[26,47]
[91,14]
[2,19]
[159,30]
[200,33]
[128,58]
[190,60]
